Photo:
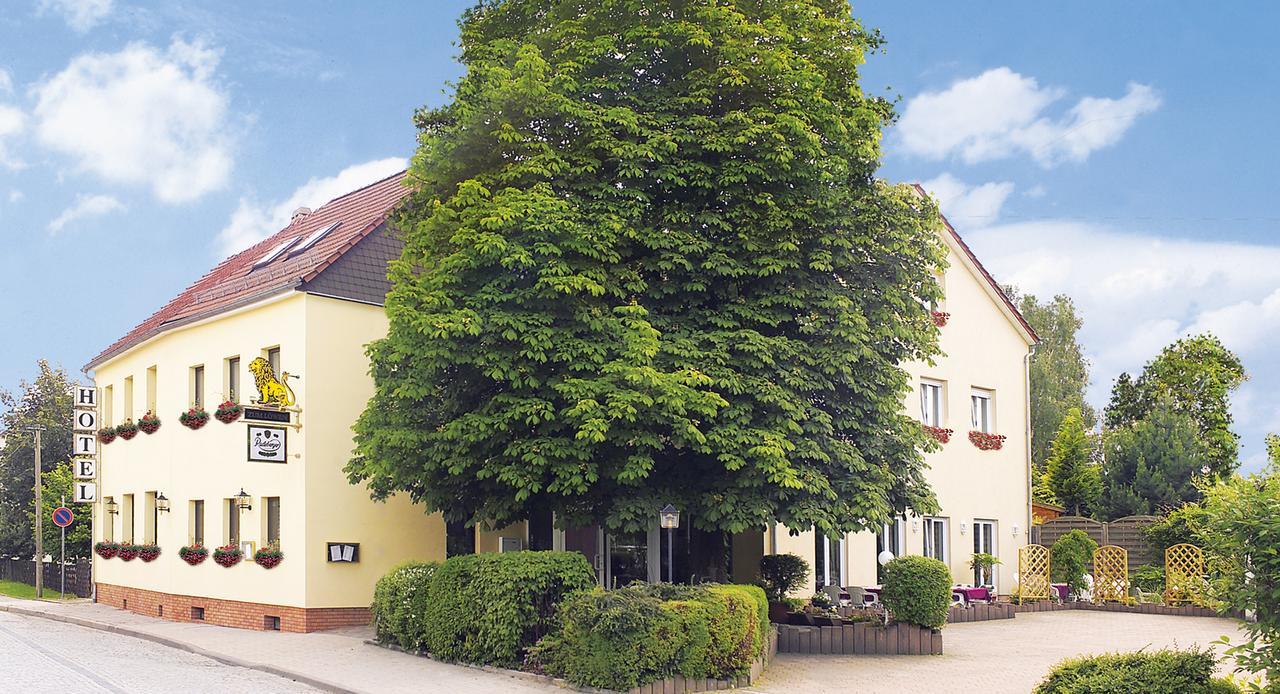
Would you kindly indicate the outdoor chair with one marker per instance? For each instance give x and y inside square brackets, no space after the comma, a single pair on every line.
[857,596]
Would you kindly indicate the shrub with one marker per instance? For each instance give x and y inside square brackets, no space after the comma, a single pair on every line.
[488,608]
[1069,559]
[782,574]
[917,590]
[1150,672]
[399,604]
[1174,528]
[624,638]
[1148,578]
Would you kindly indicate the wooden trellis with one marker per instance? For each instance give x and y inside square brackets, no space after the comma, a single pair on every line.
[1033,572]
[1184,575]
[1110,574]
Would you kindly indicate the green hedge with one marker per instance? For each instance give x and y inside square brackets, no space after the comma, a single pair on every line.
[1152,672]
[917,590]
[624,638]
[400,602]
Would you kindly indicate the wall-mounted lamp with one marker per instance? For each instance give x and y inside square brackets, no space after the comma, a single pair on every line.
[162,503]
[963,526]
[1015,531]
[110,506]
[915,525]
[244,501]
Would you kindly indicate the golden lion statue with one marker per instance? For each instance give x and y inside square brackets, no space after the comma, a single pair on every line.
[272,391]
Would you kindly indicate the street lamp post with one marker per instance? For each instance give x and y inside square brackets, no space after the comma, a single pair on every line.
[669,518]
[36,429]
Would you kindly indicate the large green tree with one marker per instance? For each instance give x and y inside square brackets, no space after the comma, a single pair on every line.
[45,401]
[1070,471]
[58,489]
[647,261]
[1150,466]
[1198,375]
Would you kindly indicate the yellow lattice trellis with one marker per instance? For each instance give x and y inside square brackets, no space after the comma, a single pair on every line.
[1033,572]
[1184,575]
[1110,574]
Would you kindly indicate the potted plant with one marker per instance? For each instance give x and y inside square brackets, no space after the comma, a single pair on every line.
[127,430]
[939,317]
[194,418]
[228,412]
[107,549]
[985,562]
[942,435]
[193,554]
[268,557]
[149,423]
[148,552]
[987,442]
[781,575]
[128,551]
[228,555]
[106,435]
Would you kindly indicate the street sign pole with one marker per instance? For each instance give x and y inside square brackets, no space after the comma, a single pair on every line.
[62,559]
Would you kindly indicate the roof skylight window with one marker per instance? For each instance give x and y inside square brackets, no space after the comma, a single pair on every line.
[275,253]
[315,236]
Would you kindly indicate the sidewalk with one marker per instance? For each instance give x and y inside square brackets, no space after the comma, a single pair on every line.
[335,661]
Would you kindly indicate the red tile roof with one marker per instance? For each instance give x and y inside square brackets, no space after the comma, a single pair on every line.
[235,282]
[987,275]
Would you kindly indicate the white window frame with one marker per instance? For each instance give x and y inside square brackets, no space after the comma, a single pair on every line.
[982,410]
[932,398]
[826,578]
[929,535]
[983,527]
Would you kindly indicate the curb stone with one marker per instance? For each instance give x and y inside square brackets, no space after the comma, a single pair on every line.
[308,680]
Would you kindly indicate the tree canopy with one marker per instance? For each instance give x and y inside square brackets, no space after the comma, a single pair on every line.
[1070,471]
[1151,465]
[647,261]
[45,401]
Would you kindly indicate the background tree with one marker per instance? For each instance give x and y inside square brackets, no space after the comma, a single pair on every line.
[1059,375]
[1273,449]
[1198,375]
[647,261]
[58,485]
[47,401]
[1150,466]
[1071,474]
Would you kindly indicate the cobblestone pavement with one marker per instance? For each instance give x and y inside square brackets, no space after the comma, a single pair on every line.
[38,656]
[993,657]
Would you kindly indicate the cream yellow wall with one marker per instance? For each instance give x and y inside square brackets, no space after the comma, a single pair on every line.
[322,340]
[981,348]
[338,387]
[491,540]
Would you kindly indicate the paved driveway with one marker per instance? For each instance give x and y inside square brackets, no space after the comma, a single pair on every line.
[998,656]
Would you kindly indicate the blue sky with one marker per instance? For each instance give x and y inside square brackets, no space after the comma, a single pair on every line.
[1117,152]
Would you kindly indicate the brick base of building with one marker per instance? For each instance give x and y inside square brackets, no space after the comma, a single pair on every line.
[230,613]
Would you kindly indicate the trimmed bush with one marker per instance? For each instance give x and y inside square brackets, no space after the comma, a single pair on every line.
[1069,559]
[917,590]
[1150,672]
[1148,578]
[489,608]
[639,634]
[782,574]
[400,602]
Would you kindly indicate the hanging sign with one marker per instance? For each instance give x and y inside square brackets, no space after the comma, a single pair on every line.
[86,420]
[85,492]
[257,414]
[85,468]
[268,444]
[84,451]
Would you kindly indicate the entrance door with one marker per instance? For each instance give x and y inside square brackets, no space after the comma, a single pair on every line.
[889,538]
[628,558]
[984,541]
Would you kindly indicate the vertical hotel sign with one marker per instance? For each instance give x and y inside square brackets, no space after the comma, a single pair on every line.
[85,458]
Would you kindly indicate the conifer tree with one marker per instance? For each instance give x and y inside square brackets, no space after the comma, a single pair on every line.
[1074,479]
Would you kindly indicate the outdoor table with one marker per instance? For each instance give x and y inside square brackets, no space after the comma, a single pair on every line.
[972,594]
[1062,590]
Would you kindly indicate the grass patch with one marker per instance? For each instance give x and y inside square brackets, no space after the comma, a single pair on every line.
[14,589]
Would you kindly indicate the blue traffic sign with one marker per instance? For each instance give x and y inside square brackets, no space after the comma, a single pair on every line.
[62,516]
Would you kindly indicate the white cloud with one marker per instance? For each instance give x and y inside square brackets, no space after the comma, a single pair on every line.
[12,122]
[80,15]
[1001,113]
[1137,293]
[86,206]
[1036,191]
[6,82]
[16,195]
[143,117]
[969,205]
[251,223]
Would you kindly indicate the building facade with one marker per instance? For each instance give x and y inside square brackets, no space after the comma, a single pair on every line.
[288,320]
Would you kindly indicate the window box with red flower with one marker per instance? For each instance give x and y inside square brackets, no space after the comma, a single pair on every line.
[268,557]
[194,418]
[127,430]
[148,552]
[149,423]
[193,554]
[939,317]
[942,435]
[228,555]
[107,549]
[987,442]
[106,435]
[228,412]
[129,551]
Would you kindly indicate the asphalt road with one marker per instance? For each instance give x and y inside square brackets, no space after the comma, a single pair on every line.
[39,656]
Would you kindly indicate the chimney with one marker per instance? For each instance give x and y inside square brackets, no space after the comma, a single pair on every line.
[300,212]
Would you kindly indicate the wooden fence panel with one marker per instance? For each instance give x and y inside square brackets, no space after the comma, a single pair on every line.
[1123,532]
[79,574]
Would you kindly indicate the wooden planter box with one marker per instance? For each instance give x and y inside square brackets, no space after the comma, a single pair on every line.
[979,612]
[1178,611]
[860,638]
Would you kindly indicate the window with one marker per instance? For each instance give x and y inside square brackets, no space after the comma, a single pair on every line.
[984,541]
[197,522]
[459,539]
[233,522]
[273,358]
[935,538]
[108,406]
[150,518]
[828,566]
[197,386]
[126,518]
[128,397]
[931,403]
[314,237]
[274,253]
[151,389]
[233,379]
[983,419]
[891,538]
[272,533]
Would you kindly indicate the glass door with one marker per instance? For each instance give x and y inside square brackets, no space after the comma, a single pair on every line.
[889,538]
[984,541]
[627,558]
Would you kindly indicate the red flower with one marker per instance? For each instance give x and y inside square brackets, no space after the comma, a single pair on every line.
[942,435]
[987,442]
[940,318]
